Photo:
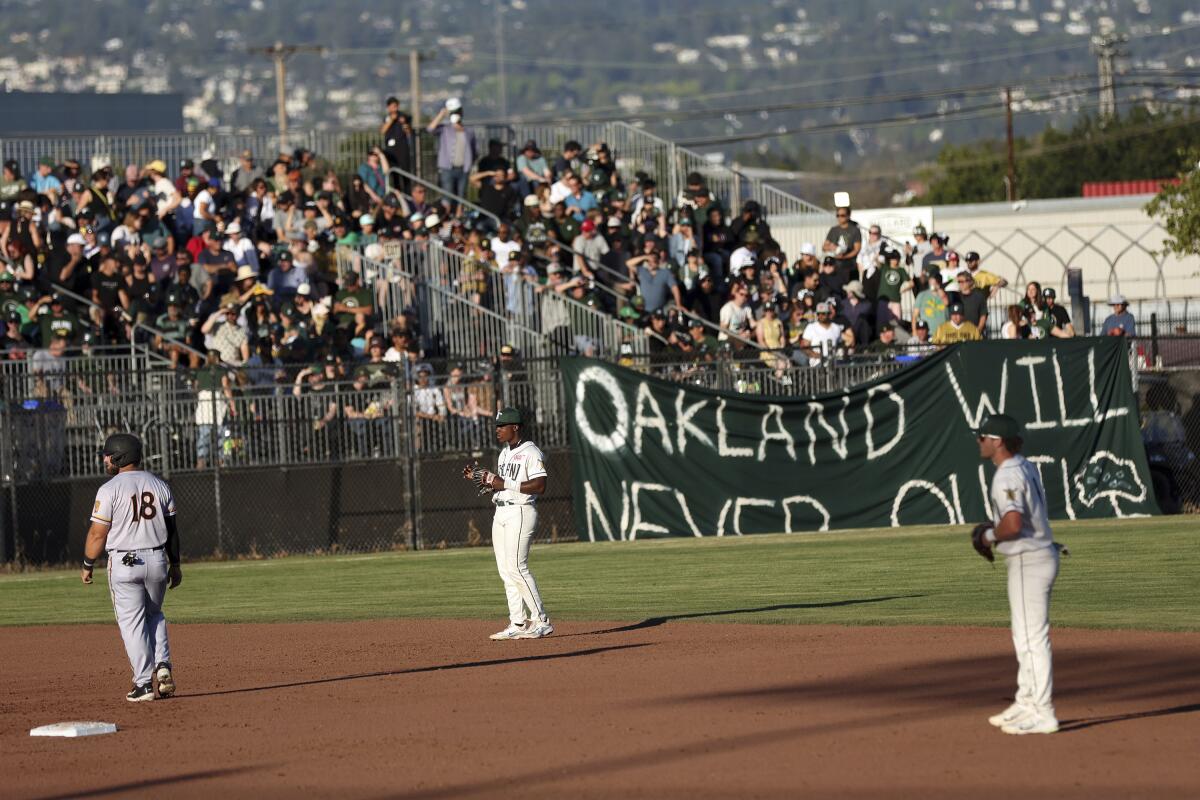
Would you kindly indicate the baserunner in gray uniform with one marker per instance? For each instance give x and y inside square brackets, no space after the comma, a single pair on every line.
[133,518]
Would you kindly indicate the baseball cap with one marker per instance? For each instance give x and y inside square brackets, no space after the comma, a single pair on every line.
[588,226]
[1000,426]
[856,288]
[506,350]
[508,416]
[824,308]
[955,308]
[1117,300]
[46,161]
[696,323]
[530,200]
[922,324]
[919,230]
[233,227]
[391,201]
[432,221]
[808,249]
[829,261]
[366,219]
[453,104]
[77,238]
[248,155]
[683,337]
[186,163]
[304,290]
[614,222]
[157,165]
[1049,292]
[13,317]
[971,256]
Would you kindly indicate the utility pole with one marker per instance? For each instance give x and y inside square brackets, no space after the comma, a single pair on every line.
[1108,47]
[414,83]
[281,52]
[1010,180]
[500,59]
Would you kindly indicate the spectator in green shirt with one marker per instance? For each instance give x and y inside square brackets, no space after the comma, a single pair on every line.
[59,323]
[353,305]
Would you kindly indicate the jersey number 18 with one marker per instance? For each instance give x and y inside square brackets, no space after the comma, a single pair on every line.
[144,511]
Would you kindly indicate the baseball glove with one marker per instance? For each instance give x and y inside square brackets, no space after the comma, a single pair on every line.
[982,545]
[482,478]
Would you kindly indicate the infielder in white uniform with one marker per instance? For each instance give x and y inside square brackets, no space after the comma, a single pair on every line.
[1020,531]
[133,518]
[520,477]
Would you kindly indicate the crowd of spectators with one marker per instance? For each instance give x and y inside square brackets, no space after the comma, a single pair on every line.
[227,267]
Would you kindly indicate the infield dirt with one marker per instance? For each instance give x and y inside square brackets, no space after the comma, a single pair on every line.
[664,709]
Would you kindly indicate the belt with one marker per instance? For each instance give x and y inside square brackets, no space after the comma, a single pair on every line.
[509,503]
[139,549]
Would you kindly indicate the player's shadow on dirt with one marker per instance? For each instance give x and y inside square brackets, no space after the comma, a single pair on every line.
[654,622]
[155,783]
[1067,726]
[491,662]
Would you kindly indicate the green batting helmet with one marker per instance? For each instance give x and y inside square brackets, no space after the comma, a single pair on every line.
[123,449]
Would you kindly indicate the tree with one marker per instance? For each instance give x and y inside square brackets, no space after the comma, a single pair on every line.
[1177,204]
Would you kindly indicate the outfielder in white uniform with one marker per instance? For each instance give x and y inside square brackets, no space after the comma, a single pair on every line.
[520,477]
[1021,533]
[133,518]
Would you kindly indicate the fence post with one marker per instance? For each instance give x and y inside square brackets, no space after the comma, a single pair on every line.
[216,450]
[414,464]
[1154,339]
[8,520]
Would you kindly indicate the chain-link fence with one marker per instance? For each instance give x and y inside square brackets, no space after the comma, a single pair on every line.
[309,465]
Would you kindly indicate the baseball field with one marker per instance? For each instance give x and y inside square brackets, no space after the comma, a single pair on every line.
[856,664]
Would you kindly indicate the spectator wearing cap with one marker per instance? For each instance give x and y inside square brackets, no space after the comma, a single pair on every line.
[858,313]
[894,282]
[390,223]
[187,169]
[745,255]
[226,335]
[59,322]
[246,174]
[218,264]
[1120,322]
[285,278]
[44,182]
[503,245]
[844,242]
[429,407]
[353,304]
[920,342]
[915,251]
[716,243]
[956,329]
[655,283]
[13,345]
[683,239]
[986,282]
[821,338]
[568,159]
[492,162]
[456,150]
[705,300]
[242,249]
[831,282]
[176,329]
[1058,316]
[532,169]
[750,220]
[166,197]
[106,299]
[931,304]
[11,184]
[590,247]
[65,266]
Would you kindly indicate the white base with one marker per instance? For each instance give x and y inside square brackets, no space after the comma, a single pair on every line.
[72,729]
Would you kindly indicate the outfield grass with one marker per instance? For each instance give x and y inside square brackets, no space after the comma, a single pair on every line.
[1142,573]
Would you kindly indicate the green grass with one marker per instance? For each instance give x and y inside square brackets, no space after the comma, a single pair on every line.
[1140,573]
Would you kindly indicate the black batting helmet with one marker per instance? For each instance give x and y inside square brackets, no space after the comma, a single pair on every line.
[123,449]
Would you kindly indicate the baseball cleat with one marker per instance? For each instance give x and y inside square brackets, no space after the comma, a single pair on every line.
[1033,723]
[513,631]
[166,681]
[1010,715]
[141,694]
[537,630]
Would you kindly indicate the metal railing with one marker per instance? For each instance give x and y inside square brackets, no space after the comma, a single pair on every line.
[98,371]
[343,149]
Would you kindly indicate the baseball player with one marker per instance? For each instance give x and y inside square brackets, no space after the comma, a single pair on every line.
[133,518]
[520,477]
[1020,530]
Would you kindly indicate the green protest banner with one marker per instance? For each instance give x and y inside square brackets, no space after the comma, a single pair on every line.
[657,458]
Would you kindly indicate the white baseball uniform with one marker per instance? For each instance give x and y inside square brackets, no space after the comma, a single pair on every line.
[1032,562]
[512,532]
[135,505]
